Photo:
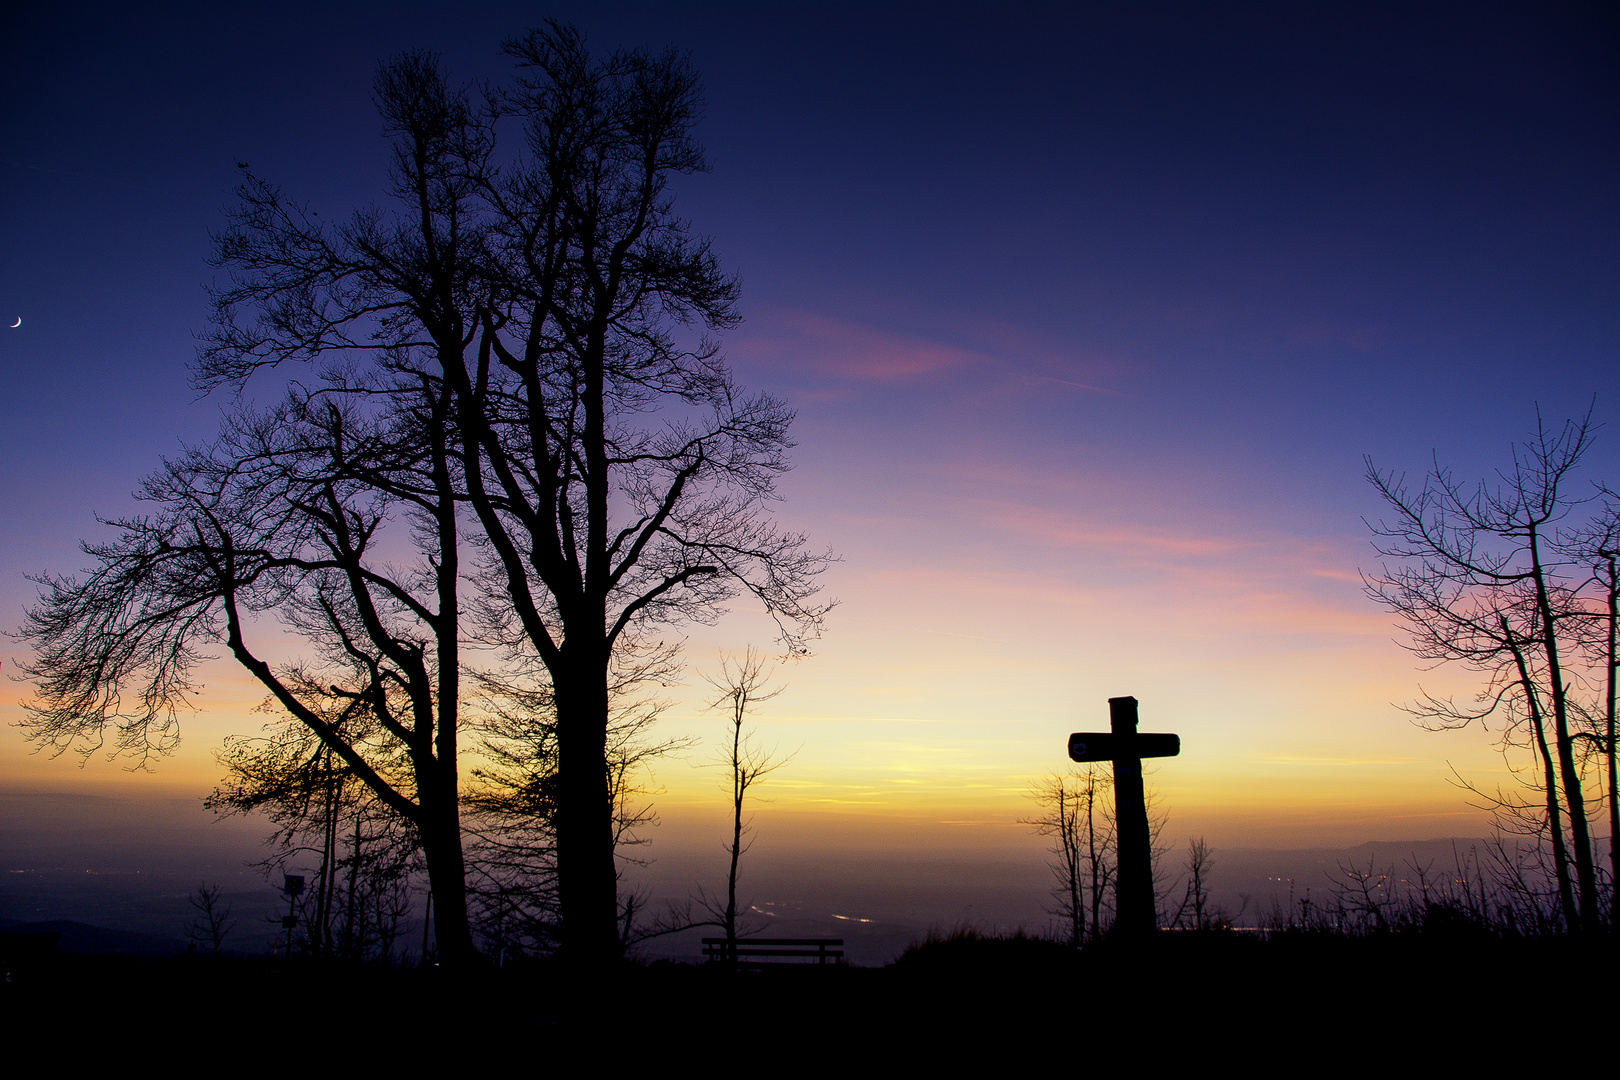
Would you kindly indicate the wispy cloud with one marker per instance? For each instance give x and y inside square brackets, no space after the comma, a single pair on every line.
[851,351]
[1070,383]
[1060,528]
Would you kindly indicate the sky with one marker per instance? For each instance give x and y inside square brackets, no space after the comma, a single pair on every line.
[1091,314]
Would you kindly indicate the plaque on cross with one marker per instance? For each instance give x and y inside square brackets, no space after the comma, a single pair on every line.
[1134,908]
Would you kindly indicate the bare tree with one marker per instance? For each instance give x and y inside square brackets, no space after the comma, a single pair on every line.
[1365,900]
[1200,861]
[533,326]
[212,922]
[1076,812]
[1060,819]
[511,807]
[1487,576]
[743,684]
[619,478]
[367,857]
[1598,546]
[287,519]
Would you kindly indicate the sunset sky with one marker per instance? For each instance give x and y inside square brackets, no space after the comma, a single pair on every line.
[1090,314]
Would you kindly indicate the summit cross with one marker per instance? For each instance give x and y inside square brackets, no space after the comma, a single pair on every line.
[1135,911]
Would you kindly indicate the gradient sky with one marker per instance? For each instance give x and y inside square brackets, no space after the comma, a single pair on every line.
[1090,314]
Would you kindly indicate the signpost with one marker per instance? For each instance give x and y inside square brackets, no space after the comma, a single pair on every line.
[293,886]
[1135,912]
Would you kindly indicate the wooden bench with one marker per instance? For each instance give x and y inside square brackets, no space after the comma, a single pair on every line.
[755,952]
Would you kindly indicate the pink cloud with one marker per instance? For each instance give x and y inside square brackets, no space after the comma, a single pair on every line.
[1202,602]
[1061,529]
[854,352]
[848,350]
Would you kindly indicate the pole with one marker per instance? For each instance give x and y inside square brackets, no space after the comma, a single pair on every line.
[1137,913]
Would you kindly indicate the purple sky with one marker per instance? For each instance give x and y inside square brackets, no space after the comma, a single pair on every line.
[1090,313]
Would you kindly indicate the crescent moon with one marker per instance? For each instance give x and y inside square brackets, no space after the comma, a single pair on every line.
[17,323]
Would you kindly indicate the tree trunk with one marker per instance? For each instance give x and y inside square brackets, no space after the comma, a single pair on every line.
[1069,818]
[1096,860]
[587,877]
[447,869]
[1555,828]
[1611,663]
[737,791]
[1574,800]
[447,883]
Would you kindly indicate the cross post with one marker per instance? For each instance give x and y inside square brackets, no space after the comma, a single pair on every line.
[1135,913]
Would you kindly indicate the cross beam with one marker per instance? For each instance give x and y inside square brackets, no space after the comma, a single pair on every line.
[1135,911]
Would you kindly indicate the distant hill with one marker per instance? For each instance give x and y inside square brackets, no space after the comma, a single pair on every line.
[78,937]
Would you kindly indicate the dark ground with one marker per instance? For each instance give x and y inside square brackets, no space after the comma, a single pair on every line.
[1291,1001]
